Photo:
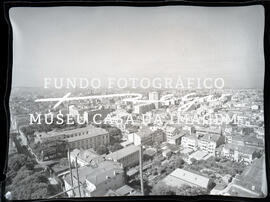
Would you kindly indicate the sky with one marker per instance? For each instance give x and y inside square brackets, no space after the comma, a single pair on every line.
[168,41]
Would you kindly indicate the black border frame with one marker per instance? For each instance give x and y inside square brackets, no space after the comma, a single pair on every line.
[6,77]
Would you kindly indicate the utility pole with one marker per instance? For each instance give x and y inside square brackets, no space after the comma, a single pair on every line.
[78,179]
[70,170]
[141,169]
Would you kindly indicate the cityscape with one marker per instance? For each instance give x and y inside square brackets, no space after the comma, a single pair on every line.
[107,156]
[111,101]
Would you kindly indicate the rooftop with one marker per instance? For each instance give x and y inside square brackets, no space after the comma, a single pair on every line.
[144,132]
[210,137]
[180,177]
[97,174]
[86,155]
[253,176]
[119,154]
[92,132]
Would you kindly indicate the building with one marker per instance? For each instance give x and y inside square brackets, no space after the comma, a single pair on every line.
[189,141]
[246,140]
[85,157]
[95,180]
[145,136]
[173,135]
[143,108]
[155,96]
[123,191]
[92,138]
[181,177]
[127,156]
[64,134]
[117,118]
[239,153]
[204,141]
[73,111]
[252,182]
[166,153]
[209,142]
[198,155]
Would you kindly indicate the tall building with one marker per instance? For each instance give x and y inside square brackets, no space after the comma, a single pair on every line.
[155,96]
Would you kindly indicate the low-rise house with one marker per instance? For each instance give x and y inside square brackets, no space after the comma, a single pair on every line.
[239,153]
[95,180]
[198,155]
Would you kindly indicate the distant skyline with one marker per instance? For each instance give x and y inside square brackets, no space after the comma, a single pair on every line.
[169,41]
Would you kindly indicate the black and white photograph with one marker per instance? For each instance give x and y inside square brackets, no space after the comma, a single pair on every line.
[110,101]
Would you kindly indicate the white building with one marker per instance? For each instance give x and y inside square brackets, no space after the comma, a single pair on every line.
[127,156]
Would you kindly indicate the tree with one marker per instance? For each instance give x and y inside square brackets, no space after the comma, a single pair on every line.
[115,135]
[162,189]
[102,150]
[179,162]
[186,190]
[30,185]
[20,160]
[116,146]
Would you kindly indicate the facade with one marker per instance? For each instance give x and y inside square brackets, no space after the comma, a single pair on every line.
[189,141]
[93,139]
[239,153]
[145,136]
[96,180]
[173,135]
[205,141]
[127,156]
[66,133]
[209,142]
